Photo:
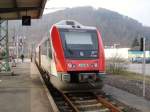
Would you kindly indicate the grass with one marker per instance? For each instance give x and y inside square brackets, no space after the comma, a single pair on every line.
[118,66]
[132,76]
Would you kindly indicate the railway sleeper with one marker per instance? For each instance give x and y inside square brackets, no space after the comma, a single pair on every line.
[102,110]
[95,106]
[81,98]
[62,103]
[65,108]
[85,102]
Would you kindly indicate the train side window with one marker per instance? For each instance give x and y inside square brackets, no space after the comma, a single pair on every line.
[43,49]
[49,51]
[50,54]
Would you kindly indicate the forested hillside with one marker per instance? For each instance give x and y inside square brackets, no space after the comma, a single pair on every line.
[114,27]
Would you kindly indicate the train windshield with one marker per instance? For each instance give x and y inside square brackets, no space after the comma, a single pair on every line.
[73,38]
[80,44]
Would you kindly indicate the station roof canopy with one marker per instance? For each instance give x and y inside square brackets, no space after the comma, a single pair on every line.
[15,9]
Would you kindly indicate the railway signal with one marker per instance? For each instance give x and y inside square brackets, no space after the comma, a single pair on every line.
[142,44]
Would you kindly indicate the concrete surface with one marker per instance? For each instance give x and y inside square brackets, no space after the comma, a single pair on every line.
[23,92]
[137,68]
[129,99]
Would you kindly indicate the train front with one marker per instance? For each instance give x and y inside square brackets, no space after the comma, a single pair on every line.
[83,54]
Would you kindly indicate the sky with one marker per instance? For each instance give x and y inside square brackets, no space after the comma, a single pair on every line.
[136,9]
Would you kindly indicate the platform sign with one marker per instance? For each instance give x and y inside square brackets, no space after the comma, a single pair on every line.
[26,20]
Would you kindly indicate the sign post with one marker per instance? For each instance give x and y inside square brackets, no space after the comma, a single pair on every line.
[143,65]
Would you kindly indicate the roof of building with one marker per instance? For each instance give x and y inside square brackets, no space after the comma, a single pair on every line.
[15,9]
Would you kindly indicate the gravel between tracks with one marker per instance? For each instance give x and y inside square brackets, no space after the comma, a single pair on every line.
[129,85]
[128,108]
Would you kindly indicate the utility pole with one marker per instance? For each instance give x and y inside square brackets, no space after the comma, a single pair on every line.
[17,46]
[143,65]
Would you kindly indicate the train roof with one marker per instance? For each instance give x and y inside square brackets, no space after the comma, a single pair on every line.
[68,24]
[72,24]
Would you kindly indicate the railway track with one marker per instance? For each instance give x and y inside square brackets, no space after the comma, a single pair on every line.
[82,101]
[86,102]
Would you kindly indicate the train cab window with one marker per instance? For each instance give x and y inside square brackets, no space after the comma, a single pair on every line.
[80,43]
[73,38]
[49,52]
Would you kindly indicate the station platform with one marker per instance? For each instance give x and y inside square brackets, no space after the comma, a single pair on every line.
[132,100]
[23,92]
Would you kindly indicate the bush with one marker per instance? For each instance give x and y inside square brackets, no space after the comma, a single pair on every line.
[116,65]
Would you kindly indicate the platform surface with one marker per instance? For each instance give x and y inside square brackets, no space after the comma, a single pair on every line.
[23,92]
[128,98]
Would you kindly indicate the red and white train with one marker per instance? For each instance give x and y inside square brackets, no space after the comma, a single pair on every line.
[73,56]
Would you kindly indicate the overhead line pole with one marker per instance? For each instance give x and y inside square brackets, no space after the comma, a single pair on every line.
[4,50]
[143,66]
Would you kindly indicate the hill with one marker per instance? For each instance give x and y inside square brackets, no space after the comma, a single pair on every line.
[114,27]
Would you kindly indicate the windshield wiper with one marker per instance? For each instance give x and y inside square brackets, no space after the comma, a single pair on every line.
[68,49]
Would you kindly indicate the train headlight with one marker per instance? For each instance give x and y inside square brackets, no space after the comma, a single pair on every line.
[74,66]
[95,64]
[70,65]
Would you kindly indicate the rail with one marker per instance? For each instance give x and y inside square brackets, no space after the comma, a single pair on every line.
[80,101]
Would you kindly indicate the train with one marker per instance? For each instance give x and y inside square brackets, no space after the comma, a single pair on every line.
[72,56]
